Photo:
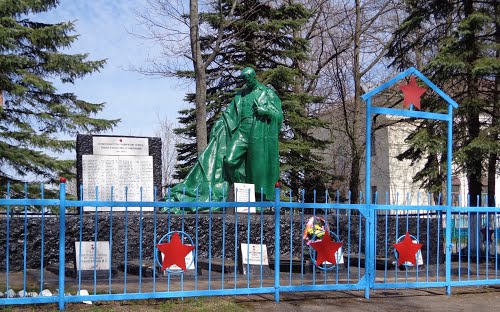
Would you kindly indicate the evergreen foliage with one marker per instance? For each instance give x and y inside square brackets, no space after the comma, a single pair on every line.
[35,118]
[458,41]
[263,35]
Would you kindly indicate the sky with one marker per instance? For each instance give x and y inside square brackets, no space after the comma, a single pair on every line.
[105,28]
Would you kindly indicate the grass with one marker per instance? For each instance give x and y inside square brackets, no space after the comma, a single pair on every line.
[216,304]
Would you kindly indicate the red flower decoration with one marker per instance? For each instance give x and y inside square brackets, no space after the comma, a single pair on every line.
[407,250]
[325,249]
[174,252]
[412,93]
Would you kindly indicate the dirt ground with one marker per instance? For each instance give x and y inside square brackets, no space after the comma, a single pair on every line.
[484,298]
[436,300]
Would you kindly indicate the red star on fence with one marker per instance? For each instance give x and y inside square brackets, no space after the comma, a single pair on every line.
[326,249]
[412,93]
[174,253]
[407,250]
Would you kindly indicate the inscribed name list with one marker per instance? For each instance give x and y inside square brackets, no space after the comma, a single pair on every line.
[126,174]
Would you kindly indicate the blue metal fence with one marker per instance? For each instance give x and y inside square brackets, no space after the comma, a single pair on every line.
[37,251]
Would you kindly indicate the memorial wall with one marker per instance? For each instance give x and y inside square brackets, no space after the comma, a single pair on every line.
[118,168]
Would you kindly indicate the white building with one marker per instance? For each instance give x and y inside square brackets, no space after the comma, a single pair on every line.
[392,179]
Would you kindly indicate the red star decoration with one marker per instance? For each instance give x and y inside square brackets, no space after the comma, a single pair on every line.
[326,249]
[412,93]
[407,250]
[174,252]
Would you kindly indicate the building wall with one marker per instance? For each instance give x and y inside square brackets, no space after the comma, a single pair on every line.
[393,179]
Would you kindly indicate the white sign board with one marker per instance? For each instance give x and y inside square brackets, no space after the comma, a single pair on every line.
[254,254]
[120,172]
[85,259]
[120,146]
[174,267]
[244,192]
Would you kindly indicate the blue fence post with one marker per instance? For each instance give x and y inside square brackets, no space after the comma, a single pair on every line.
[449,159]
[277,242]
[62,239]
[369,225]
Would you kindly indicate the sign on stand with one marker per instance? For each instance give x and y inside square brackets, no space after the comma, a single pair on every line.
[253,256]
[244,192]
[90,256]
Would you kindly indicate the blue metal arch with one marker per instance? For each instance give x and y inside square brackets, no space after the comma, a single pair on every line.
[367,97]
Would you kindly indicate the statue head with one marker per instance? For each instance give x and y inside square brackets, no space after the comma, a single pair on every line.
[248,75]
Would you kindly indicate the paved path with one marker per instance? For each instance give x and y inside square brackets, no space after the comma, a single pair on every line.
[463,299]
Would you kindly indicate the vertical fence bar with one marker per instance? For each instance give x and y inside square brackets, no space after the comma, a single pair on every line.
[196,221]
[155,254]
[25,237]
[7,241]
[125,261]
[62,239]
[235,245]
[301,242]
[277,243]
[110,273]
[80,223]
[448,201]
[224,210]
[96,216]
[140,243]
[369,229]
[42,250]
[314,218]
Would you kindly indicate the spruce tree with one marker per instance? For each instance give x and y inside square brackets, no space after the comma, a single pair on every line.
[263,35]
[37,122]
[457,45]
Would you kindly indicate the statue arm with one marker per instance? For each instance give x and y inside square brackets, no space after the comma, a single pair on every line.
[269,105]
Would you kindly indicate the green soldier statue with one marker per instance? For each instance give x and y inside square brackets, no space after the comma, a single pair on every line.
[243,147]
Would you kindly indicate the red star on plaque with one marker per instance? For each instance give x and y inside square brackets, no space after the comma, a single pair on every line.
[407,250]
[326,249]
[412,93]
[174,252]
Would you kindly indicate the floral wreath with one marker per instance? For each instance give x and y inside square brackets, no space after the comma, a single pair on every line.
[315,229]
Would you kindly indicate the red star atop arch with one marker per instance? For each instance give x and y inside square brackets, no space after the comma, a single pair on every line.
[326,249]
[412,93]
[174,252]
[407,250]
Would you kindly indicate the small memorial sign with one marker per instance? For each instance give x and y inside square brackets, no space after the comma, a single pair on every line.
[253,256]
[90,256]
[244,192]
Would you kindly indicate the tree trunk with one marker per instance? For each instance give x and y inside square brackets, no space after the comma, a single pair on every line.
[354,186]
[354,182]
[200,77]
[473,163]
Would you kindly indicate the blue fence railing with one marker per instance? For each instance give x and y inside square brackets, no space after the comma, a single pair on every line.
[53,251]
